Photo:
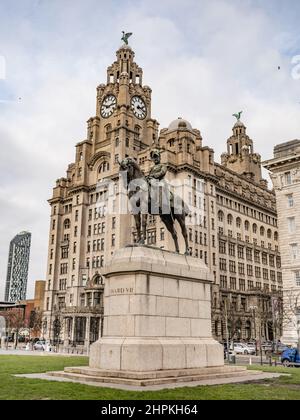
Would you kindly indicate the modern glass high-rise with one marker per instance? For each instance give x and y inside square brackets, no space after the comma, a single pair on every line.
[17,269]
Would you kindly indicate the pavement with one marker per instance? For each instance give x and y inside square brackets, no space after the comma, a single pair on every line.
[21,352]
[220,381]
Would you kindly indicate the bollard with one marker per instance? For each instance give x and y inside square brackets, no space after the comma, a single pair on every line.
[250,361]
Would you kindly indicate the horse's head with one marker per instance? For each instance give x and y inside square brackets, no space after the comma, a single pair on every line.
[131,167]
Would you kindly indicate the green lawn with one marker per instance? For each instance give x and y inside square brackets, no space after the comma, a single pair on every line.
[12,388]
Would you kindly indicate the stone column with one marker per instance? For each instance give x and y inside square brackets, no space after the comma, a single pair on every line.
[87,334]
[73,330]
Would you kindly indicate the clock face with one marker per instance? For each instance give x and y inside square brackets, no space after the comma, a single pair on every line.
[108,106]
[139,107]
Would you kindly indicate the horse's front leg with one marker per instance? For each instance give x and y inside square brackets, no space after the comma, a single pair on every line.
[137,219]
[144,227]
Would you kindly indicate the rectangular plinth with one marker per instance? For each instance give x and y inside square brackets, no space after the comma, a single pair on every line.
[157,313]
[144,379]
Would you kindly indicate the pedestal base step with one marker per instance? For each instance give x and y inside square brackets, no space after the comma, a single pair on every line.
[144,379]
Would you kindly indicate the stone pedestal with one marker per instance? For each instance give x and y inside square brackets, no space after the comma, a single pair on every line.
[157,314]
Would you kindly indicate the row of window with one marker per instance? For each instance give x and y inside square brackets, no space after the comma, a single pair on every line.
[248,211]
[238,224]
[239,250]
[223,264]
[240,284]
[246,239]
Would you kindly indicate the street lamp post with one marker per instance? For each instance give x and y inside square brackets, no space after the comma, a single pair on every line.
[298,328]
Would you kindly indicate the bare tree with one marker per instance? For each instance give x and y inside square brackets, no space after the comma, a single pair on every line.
[35,323]
[15,322]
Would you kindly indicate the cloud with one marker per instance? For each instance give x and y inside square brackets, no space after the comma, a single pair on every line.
[203,60]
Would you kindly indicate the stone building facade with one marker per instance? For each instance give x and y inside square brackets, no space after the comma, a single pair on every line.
[234,229]
[285,174]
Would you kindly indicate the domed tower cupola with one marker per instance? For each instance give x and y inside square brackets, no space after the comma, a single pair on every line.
[125,64]
[240,156]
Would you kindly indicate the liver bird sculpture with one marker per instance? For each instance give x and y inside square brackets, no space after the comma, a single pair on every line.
[125,37]
[238,115]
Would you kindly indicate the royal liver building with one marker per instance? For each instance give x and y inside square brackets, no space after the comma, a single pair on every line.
[235,234]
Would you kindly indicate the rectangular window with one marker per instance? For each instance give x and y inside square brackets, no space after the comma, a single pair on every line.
[297,278]
[223,264]
[249,270]
[240,252]
[232,283]
[265,274]
[294,251]
[232,267]
[250,284]
[223,282]
[241,268]
[242,285]
[291,224]
[222,247]
[257,272]
[290,199]
[287,178]
[264,258]
[231,249]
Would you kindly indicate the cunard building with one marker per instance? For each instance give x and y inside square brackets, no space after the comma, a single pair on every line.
[236,234]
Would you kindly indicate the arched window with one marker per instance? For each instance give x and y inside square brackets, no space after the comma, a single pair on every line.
[247,225]
[171,142]
[275,236]
[269,234]
[262,231]
[238,222]
[67,224]
[103,167]
[220,216]
[229,219]
[254,228]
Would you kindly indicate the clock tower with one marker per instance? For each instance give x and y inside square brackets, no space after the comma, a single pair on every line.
[123,125]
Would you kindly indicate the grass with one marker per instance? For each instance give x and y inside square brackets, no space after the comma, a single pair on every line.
[12,388]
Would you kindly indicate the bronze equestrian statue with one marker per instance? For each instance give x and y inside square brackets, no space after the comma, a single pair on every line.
[152,197]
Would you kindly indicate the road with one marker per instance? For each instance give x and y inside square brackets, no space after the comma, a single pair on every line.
[20,352]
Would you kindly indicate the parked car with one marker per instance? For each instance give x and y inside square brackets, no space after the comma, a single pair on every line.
[289,357]
[39,345]
[241,348]
[252,347]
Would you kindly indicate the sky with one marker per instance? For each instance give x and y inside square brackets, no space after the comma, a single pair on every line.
[203,59]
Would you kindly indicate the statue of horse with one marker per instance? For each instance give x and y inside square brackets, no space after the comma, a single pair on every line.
[144,198]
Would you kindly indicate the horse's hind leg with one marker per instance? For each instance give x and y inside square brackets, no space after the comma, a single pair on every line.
[181,221]
[169,223]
